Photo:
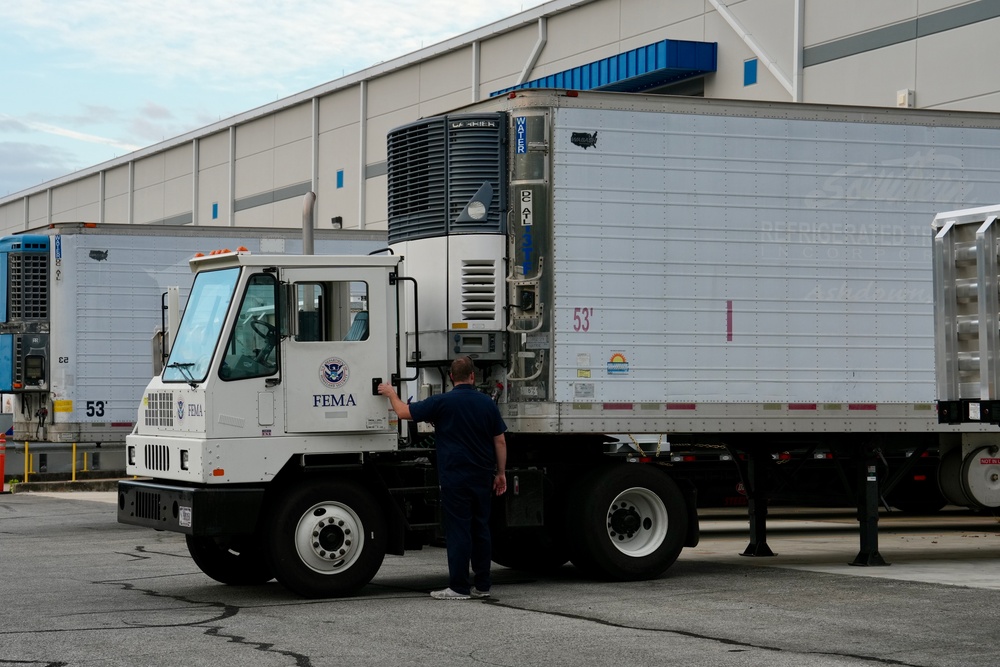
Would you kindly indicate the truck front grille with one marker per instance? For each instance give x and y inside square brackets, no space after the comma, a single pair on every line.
[157,457]
[147,505]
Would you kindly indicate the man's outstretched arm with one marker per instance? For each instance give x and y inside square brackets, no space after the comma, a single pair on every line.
[400,408]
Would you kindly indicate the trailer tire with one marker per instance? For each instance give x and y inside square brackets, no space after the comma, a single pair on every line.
[627,522]
[327,538]
[236,561]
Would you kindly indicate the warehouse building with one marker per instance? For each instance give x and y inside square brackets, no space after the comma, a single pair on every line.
[253,169]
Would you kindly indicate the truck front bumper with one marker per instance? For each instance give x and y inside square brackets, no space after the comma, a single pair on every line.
[204,511]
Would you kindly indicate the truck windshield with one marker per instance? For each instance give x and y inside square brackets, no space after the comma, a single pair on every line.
[198,334]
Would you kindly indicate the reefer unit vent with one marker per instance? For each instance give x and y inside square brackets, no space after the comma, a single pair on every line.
[446,176]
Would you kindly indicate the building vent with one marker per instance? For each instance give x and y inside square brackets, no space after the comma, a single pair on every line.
[160,409]
[447,175]
[479,289]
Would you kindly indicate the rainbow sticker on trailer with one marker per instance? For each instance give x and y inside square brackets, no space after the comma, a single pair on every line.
[617,364]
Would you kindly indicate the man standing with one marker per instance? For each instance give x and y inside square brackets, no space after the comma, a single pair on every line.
[471,451]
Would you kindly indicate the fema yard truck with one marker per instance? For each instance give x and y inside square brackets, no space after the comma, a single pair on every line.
[81,304]
[680,272]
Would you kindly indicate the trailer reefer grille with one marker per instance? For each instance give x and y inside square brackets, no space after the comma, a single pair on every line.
[479,289]
[28,281]
[416,167]
[438,168]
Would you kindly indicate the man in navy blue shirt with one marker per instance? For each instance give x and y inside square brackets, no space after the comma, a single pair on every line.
[471,451]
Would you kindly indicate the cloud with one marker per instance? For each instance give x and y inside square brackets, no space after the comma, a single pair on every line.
[8,124]
[78,136]
[227,44]
[152,110]
[25,164]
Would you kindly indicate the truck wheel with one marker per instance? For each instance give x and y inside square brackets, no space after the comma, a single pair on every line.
[235,561]
[328,538]
[627,522]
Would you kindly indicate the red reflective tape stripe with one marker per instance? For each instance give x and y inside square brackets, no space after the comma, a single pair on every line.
[862,406]
[122,424]
[681,406]
[729,321]
[617,406]
[801,406]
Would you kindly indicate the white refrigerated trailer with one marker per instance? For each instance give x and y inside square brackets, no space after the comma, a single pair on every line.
[749,276]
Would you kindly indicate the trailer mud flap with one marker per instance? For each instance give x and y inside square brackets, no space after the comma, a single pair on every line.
[690,492]
[210,512]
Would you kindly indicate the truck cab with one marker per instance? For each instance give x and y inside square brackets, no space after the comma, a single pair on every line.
[255,440]
[286,360]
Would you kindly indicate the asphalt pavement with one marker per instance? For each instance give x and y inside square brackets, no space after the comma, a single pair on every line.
[77,588]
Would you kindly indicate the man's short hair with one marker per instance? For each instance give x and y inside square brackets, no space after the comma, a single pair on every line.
[462,369]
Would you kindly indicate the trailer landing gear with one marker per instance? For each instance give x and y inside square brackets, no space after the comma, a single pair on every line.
[756,484]
[755,472]
[868,499]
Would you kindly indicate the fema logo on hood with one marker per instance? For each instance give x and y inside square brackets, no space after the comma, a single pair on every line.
[334,372]
[180,410]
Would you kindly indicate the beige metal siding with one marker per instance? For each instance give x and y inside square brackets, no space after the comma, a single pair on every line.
[77,202]
[338,149]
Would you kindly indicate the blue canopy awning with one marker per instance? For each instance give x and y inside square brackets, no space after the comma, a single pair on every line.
[652,66]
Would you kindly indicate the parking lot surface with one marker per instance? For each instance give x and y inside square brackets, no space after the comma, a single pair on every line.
[77,588]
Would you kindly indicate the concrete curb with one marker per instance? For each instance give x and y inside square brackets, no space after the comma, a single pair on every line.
[66,485]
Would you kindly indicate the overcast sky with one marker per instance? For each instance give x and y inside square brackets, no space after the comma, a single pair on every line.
[84,81]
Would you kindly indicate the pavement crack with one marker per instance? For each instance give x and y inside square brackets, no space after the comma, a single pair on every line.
[742,645]
[301,660]
[225,612]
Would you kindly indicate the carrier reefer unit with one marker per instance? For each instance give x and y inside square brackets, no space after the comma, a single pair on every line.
[82,303]
[751,276]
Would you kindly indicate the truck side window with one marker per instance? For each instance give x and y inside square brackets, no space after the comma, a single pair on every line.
[332,311]
[252,349]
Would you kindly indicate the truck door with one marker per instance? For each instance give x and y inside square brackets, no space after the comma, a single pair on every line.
[344,345]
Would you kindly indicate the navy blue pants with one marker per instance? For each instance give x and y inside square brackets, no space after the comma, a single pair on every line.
[466,512]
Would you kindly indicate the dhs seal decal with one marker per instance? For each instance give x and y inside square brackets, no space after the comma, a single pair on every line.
[334,372]
[180,410]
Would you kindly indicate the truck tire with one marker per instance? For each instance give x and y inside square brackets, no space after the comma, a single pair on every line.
[627,522]
[327,538]
[235,561]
